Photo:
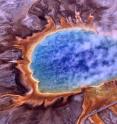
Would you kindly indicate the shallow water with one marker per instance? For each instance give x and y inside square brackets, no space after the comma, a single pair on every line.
[68,59]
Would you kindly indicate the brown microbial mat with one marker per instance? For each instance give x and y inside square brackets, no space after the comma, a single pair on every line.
[58,62]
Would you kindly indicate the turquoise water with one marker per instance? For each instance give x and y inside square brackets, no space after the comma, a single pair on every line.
[72,58]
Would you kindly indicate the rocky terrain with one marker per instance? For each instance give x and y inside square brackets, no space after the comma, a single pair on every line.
[24,17]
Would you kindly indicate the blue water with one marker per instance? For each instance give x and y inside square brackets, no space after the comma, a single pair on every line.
[72,58]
